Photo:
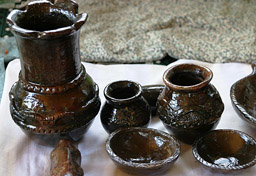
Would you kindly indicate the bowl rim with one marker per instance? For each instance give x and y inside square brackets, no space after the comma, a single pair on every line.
[216,166]
[243,113]
[156,164]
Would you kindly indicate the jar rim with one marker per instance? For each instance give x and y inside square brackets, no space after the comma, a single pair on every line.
[122,85]
[47,7]
[204,72]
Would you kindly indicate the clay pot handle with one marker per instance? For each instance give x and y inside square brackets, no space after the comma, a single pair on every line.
[66,159]
[253,67]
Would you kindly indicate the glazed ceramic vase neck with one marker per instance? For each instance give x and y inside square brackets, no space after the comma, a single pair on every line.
[187,77]
[49,62]
[48,41]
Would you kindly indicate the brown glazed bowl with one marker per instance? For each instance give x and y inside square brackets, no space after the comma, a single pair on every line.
[243,96]
[225,150]
[142,151]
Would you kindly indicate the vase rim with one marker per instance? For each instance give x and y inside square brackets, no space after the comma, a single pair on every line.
[75,24]
[204,72]
[121,85]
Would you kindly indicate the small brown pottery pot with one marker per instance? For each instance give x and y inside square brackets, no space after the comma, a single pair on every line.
[143,151]
[54,96]
[225,150]
[124,106]
[189,105]
[243,96]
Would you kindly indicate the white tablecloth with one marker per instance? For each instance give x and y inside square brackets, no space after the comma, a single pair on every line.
[22,156]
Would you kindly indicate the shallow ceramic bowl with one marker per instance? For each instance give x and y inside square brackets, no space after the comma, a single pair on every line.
[225,150]
[243,96]
[142,151]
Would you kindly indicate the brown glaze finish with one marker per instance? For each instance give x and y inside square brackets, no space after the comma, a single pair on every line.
[43,31]
[54,96]
[124,106]
[243,96]
[189,105]
[225,150]
[151,93]
[143,151]
[66,160]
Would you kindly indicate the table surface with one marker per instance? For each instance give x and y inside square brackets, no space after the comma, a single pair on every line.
[22,156]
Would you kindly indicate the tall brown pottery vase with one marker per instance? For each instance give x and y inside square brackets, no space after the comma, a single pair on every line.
[189,106]
[54,96]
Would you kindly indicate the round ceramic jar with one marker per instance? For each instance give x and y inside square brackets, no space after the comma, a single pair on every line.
[189,105]
[124,106]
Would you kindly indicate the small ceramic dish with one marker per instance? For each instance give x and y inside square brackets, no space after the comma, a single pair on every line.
[151,93]
[243,96]
[225,150]
[142,151]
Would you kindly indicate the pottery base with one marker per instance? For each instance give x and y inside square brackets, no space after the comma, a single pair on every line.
[189,135]
[52,139]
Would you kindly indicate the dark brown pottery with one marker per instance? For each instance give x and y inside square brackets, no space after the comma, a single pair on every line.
[54,96]
[225,150]
[151,93]
[124,106]
[243,96]
[143,151]
[189,105]
[66,160]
